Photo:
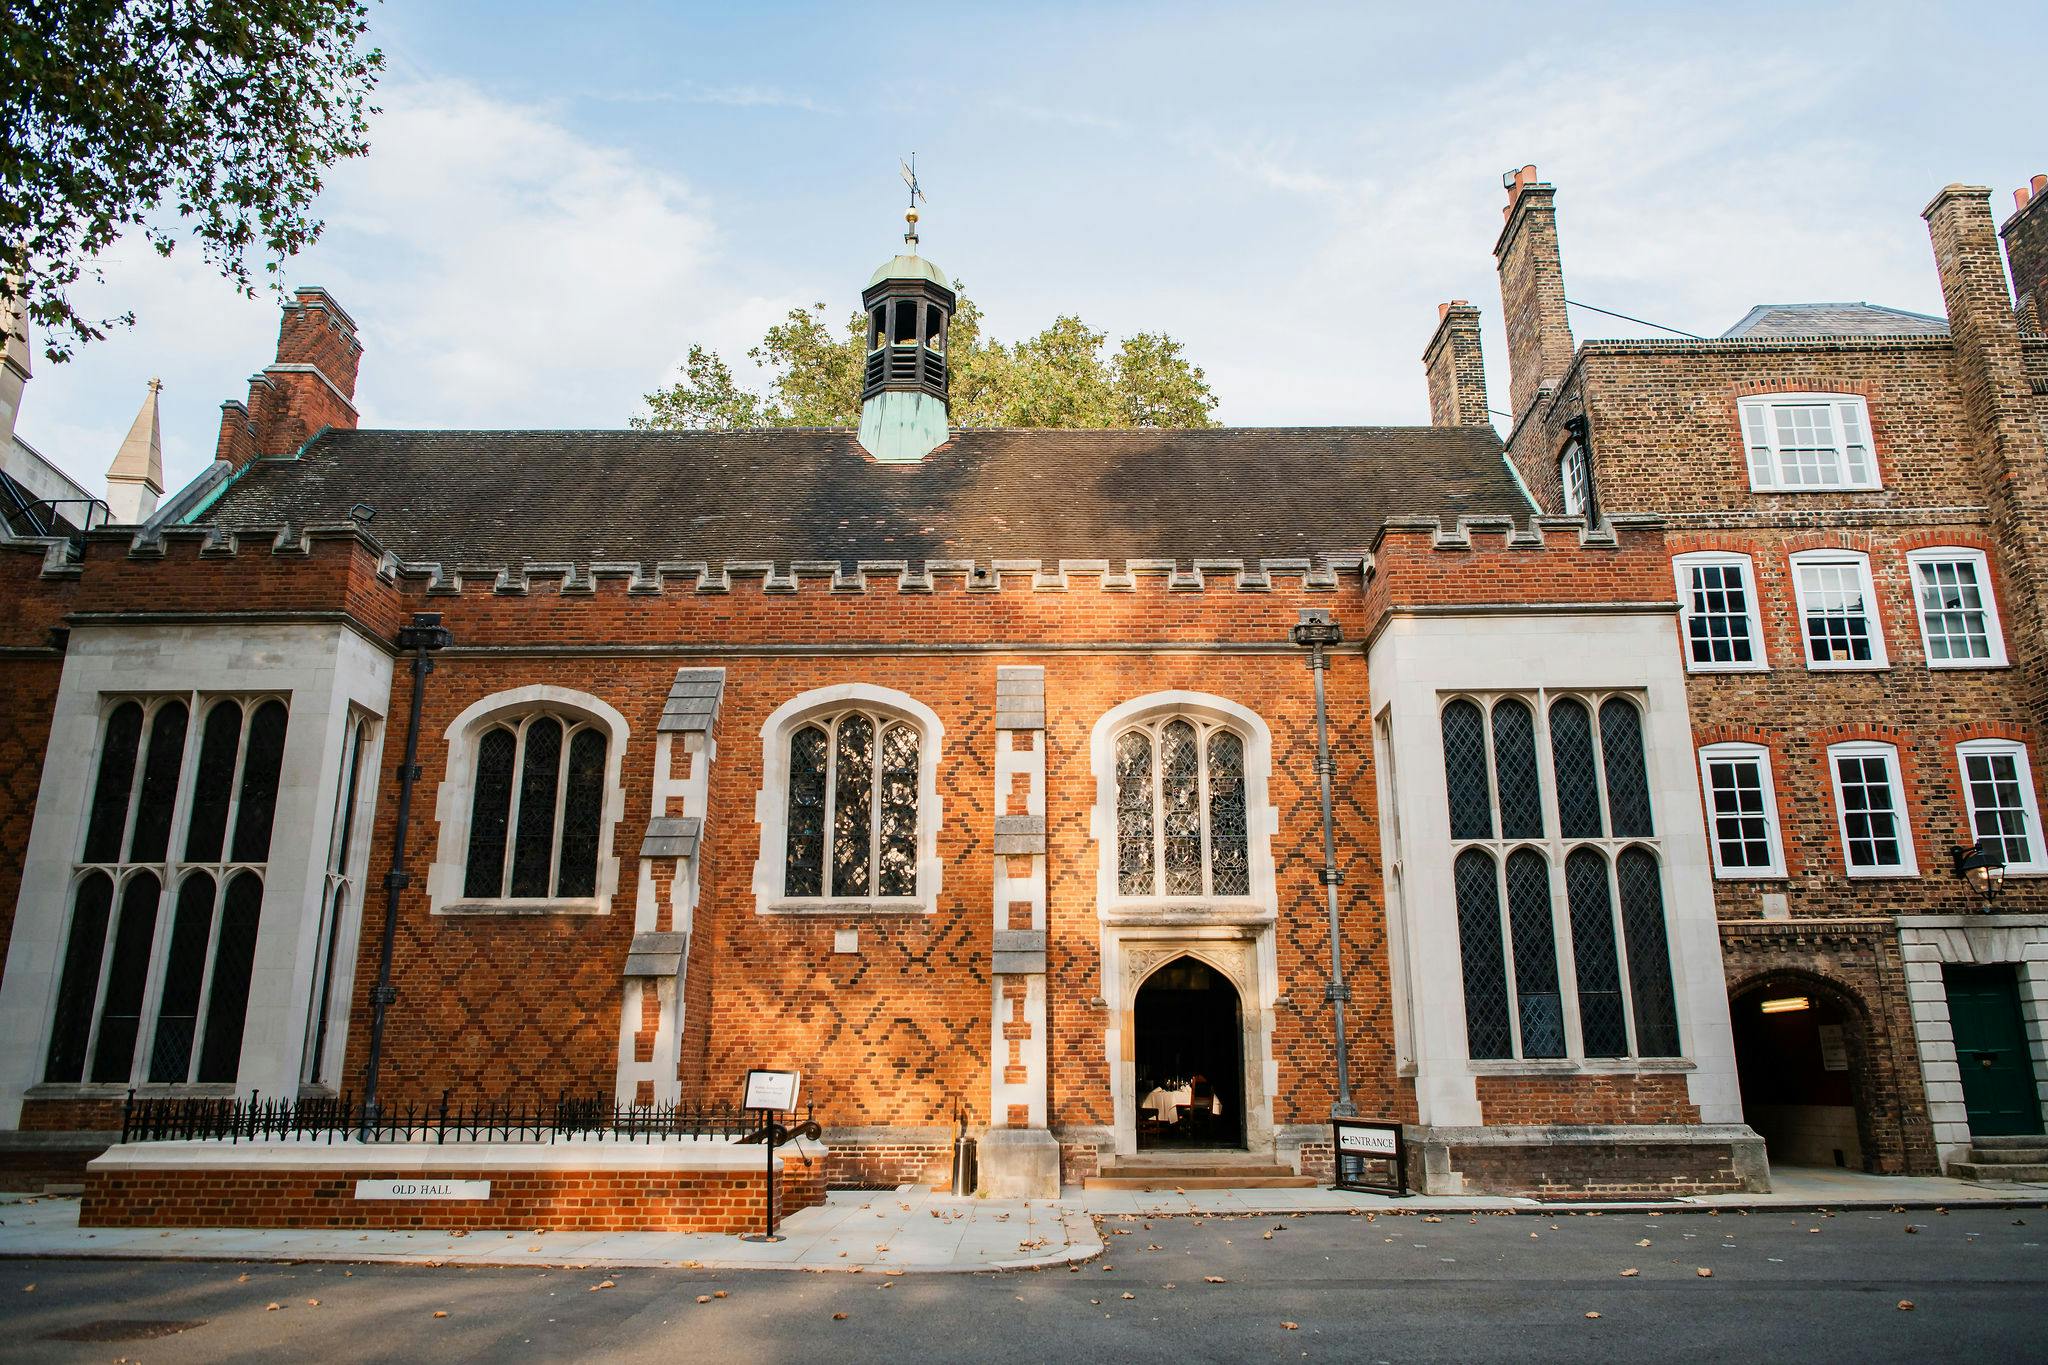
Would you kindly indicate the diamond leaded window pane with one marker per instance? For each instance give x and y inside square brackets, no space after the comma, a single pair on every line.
[853,797]
[490,808]
[897,873]
[79,986]
[1134,814]
[1602,1025]
[113,1055]
[582,815]
[257,804]
[1571,761]
[1514,770]
[1649,954]
[804,865]
[214,783]
[1229,850]
[1628,783]
[103,835]
[152,837]
[533,849]
[1180,789]
[1541,1007]
[227,1003]
[177,1016]
[1464,730]
[1487,1032]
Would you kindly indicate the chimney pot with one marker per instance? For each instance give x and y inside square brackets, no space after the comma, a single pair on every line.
[2040,183]
[2020,197]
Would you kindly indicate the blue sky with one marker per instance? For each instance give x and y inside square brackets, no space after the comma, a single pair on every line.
[559,200]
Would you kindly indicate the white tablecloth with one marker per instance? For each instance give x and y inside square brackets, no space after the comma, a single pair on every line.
[1169,1103]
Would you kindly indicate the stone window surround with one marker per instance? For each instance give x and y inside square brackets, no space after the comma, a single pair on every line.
[1909,862]
[1775,835]
[1262,820]
[1765,403]
[1927,943]
[1993,630]
[2023,763]
[1873,613]
[1681,568]
[456,795]
[771,803]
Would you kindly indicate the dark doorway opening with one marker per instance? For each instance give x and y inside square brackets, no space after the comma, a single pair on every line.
[1798,1050]
[1991,1049]
[1190,1058]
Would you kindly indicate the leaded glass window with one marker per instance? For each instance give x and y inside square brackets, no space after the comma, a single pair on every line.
[162,932]
[335,942]
[1181,810]
[1531,901]
[536,814]
[853,808]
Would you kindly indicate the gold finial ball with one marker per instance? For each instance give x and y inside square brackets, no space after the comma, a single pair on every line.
[910,215]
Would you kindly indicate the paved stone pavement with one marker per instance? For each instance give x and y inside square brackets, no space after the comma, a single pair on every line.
[1786,1285]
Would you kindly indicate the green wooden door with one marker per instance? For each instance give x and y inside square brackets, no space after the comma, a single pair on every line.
[1991,1049]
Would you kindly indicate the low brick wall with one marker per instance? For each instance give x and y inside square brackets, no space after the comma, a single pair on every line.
[1581,1163]
[639,1189]
[861,1163]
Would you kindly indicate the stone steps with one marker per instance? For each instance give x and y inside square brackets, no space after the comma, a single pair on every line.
[2021,1157]
[1168,1171]
[2033,1171]
[2008,1156]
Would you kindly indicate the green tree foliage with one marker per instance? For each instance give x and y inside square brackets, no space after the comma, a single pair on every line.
[213,119]
[1059,378]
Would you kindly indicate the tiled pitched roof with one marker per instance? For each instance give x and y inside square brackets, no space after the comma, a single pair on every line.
[477,498]
[1834,319]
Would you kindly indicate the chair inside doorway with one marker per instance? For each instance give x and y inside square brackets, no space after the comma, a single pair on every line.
[1190,1058]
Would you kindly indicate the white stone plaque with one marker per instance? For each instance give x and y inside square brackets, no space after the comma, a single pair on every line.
[1834,1048]
[423,1188]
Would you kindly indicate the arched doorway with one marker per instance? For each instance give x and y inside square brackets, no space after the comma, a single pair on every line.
[1189,1053]
[1802,1060]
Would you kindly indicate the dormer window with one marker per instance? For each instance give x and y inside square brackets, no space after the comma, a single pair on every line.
[1808,442]
[1575,480]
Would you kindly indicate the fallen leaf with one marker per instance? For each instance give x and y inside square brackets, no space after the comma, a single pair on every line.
[1643,1242]
[1129,1295]
[272,1307]
[533,1248]
[1269,1236]
[1912,1227]
[1905,1305]
[839,1317]
[1813,1229]
[1214,1279]
[242,1279]
[28,1289]
[718,1294]
[1630,1273]
[312,1303]
[1592,1315]
[703,1298]
[1704,1273]
[1291,1326]
[440,1313]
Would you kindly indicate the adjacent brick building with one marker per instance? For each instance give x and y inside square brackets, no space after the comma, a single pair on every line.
[978,780]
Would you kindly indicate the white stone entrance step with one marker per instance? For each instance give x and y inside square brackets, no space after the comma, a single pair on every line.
[2021,1158]
[1197,1170]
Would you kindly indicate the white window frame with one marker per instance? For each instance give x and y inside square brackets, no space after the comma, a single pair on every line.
[1574,459]
[1878,659]
[1737,751]
[1994,632]
[771,803]
[1681,571]
[2037,864]
[1848,419]
[455,799]
[1909,864]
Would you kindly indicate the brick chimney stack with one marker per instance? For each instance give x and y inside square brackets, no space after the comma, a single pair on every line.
[1991,369]
[2026,251]
[1532,290]
[1457,372]
[311,384]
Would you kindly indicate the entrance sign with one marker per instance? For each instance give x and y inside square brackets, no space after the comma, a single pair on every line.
[1370,1157]
[772,1090]
[423,1189]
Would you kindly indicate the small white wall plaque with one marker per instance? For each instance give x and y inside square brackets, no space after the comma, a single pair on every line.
[423,1189]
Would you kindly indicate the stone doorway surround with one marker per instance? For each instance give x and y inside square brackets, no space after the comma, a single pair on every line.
[1929,942]
[1242,954]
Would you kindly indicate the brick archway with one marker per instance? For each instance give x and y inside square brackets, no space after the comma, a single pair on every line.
[1838,1004]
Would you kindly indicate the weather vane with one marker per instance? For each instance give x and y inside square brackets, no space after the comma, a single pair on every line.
[909,169]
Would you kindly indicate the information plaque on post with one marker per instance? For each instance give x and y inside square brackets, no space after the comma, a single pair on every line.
[770,1094]
[774,1091]
[1371,1158]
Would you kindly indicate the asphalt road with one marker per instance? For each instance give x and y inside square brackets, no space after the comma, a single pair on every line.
[1392,1288]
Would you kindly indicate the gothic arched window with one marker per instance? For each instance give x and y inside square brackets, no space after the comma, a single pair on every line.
[852,831]
[1180,810]
[536,808]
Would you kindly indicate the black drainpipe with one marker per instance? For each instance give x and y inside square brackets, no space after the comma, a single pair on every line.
[1319,632]
[424,635]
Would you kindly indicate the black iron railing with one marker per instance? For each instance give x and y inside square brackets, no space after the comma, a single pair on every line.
[489,1119]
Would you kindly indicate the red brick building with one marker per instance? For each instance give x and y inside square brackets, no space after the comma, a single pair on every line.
[975,773]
